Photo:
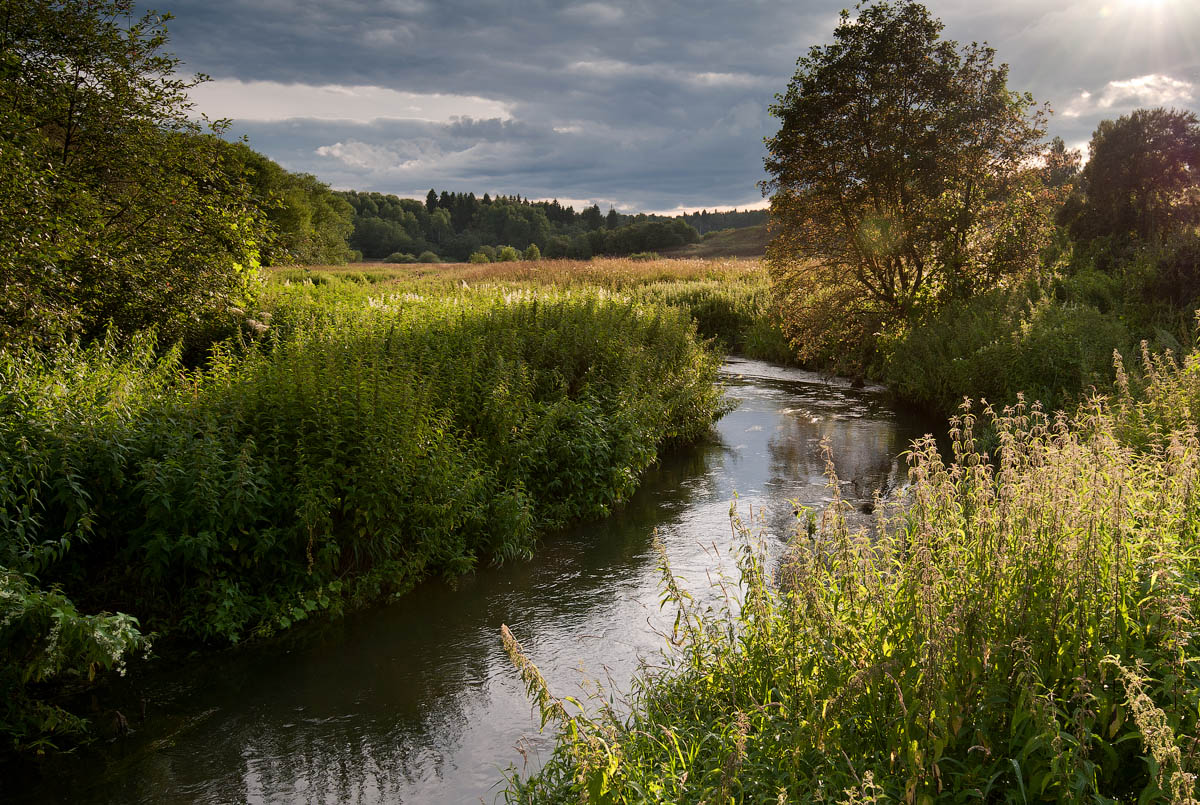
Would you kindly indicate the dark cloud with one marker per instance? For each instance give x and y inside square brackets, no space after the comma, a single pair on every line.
[643,104]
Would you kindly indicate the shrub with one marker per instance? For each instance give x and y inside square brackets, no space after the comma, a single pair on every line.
[400,257]
[507,254]
[478,257]
[428,257]
[361,443]
[644,257]
[532,252]
[999,344]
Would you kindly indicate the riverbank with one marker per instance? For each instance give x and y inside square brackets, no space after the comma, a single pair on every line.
[1022,627]
[350,442]
[414,701]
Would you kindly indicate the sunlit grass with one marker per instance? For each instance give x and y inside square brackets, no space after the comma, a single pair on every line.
[1021,628]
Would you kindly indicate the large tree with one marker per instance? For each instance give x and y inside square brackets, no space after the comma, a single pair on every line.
[903,174]
[1143,178]
[117,208]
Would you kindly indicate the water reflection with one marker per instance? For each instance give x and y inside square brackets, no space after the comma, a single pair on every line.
[415,702]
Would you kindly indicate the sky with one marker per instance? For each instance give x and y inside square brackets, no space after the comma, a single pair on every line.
[644,105]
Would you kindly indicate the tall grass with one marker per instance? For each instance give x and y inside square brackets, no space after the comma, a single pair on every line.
[729,299]
[1020,629]
[355,444]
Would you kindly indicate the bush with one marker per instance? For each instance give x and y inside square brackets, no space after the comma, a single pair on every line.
[507,254]
[478,257]
[1000,344]
[532,252]
[347,452]
[401,257]
[428,257]
[644,257]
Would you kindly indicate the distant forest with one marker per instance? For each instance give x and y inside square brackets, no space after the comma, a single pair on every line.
[455,226]
[311,224]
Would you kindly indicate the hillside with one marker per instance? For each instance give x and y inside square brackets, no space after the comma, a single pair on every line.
[750,241]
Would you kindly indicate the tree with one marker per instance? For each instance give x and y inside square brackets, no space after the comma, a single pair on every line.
[117,208]
[1143,178]
[309,223]
[431,201]
[1062,164]
[900,176]
[592,218]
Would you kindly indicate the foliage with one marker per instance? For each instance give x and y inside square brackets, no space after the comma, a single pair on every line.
[428,257]
[348,444]
[1000,344]
[532,252]
[43,637]
[309,223]
[1018,629]
[728,299]
[507,254]
[900,176]
[116,206]
[1142,180]
[459,225]
[705,222]
[479,257]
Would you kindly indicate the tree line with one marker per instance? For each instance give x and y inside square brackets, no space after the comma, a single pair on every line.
[462,226]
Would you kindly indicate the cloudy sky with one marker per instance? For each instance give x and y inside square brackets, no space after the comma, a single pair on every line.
[650,105]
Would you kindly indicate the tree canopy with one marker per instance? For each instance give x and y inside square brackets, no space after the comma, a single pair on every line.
[458,225]
[1143,178]
[116,207]
[901,174]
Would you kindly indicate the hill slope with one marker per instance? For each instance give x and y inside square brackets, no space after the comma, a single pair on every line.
[749,241]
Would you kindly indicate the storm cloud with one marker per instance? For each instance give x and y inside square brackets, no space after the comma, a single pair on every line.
[641,105]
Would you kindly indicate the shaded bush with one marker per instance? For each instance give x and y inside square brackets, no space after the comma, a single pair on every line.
[999,344]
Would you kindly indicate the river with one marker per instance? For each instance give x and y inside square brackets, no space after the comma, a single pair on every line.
[415,701]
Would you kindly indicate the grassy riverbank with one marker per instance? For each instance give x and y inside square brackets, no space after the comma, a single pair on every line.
[1021,630]
[354,439]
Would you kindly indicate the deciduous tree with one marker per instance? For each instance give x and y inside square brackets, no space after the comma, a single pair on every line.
[902,175]
[1143,178]
[118,208]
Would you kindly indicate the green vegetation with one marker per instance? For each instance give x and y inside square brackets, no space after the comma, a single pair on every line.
[459,225]
[943,249]
[1017,625]
[1017,630]
[729,300]
[116,209]
[193,457]
[355,444]
[307,222]
[880,216]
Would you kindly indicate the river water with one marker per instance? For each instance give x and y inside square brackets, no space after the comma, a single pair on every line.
[416,702]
